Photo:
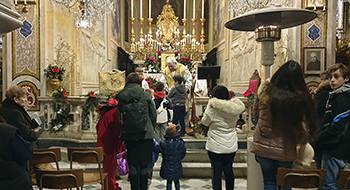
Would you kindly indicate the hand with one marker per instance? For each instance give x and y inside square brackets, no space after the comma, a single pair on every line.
[186,88]
[36,129]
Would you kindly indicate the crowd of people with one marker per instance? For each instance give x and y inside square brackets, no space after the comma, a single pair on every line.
[147,122]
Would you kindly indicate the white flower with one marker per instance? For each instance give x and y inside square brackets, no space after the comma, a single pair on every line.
[59,111]
[150,69]
[154,70]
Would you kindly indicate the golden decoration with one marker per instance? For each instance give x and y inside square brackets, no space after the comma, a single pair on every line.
[168,23]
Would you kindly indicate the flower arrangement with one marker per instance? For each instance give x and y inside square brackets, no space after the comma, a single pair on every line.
[152,65]
[60,93]
[197,120]
[232,94]
[92,101]
[151,82]
[187,62]
[63,118]
[54,72]
[249,94]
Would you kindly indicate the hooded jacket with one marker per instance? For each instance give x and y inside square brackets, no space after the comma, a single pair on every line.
[268,144]
[334,138]
[178,95]
[221,116]
[134,91]
[173,151]
[320,99]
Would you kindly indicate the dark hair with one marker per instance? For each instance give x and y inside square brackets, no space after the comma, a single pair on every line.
[344,70]
[178,78]
[133,78]
[159,86]
[220,92]
[290,102]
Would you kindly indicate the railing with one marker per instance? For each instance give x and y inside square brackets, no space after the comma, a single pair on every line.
[83,127]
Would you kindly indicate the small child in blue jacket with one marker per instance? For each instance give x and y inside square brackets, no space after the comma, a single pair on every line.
[173,151]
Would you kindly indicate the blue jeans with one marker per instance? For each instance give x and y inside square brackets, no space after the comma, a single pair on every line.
[269,170]
[332,166]
[222,163]
[176,182]
[179,117]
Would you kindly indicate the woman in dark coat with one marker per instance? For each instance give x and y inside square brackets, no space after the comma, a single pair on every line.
[12,110]
[139,145]
[173,151]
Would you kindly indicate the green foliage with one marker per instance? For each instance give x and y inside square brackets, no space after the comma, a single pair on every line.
[63,118]
[152,65]
[60,93]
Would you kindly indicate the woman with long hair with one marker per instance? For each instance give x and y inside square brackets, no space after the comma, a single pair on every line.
[285,115]
[221,116]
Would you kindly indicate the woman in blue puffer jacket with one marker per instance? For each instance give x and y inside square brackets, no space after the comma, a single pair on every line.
[173,151]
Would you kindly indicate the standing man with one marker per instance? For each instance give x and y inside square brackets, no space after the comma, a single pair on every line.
[174,68]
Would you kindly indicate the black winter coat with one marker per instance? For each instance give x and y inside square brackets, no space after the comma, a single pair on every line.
[173,151]
[334,138]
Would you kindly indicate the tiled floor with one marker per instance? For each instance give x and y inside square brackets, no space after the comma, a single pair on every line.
[159,183]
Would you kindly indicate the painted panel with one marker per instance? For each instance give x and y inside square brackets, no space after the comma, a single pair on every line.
[219,21]
[32,95]
[116,14]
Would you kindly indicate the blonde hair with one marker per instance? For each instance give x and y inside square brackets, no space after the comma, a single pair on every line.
[15,92]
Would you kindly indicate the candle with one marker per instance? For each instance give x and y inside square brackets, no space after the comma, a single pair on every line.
[184,9]
[141,9]
[194,8]
[25,2]
[15,2]
[202,8]
[132,8]
[149,9]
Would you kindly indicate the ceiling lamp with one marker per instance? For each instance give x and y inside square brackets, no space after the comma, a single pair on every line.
[267,23]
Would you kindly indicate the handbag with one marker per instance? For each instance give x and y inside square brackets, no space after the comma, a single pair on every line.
[122,162]
[305,155]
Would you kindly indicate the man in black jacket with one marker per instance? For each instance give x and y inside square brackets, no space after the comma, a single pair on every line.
[334,138]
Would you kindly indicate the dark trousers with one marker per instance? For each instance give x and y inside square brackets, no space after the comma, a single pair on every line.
[222,163]
[179,117]
[139,156]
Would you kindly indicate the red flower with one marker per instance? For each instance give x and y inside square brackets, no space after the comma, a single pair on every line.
[64,94]
[92,94]
[153,87]
[54,70]
[247,93]
[113,95]
[158,52]
[66,118]
[176,53]
[231,94]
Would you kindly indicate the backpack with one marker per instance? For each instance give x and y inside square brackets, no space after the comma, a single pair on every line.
[133,117]
[162,114]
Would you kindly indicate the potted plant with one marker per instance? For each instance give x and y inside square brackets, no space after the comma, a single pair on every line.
[54,75]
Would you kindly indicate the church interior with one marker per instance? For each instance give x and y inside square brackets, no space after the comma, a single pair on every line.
[70,54]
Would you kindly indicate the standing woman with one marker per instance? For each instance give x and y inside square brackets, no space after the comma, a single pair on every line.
[12,110]
[139,145]
[221,116]
[286,117]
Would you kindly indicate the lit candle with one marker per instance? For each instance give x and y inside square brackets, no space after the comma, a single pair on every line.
[141,9]
[149,9]
[184,9]
[194,8]
[202,8]
[132,8]
[25,2]
[15,2]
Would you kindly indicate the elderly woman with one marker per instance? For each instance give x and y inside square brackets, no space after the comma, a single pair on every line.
[12,110]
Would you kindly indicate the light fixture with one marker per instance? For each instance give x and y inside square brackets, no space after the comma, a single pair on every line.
[267,23]
[86,11]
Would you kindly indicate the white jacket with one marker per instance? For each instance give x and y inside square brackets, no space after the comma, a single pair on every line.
[221,116]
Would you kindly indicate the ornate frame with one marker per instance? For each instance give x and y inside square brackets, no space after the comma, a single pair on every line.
[321,55]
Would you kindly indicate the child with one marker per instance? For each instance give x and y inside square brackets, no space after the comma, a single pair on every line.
[334,137]
[144,84]
[178,95]
[173,151]
[163,107]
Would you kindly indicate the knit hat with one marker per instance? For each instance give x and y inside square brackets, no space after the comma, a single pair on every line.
[172,130]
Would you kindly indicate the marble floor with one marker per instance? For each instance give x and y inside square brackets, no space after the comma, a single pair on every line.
[159,183]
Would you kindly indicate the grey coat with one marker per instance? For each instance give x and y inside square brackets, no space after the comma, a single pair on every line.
[178,95]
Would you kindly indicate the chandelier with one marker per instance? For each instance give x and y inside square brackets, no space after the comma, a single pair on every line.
[86,11]
[240,7]
[167,37]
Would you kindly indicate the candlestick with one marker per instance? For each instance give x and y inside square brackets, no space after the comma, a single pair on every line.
[141,9]
[194,8]
[133,49]
[184,9]
[132,8]
[202,9]
[149,8]
[202,47]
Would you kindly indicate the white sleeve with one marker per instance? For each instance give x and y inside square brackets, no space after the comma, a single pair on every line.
[201,87]
[163,80]
[188,79]
[145,85]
